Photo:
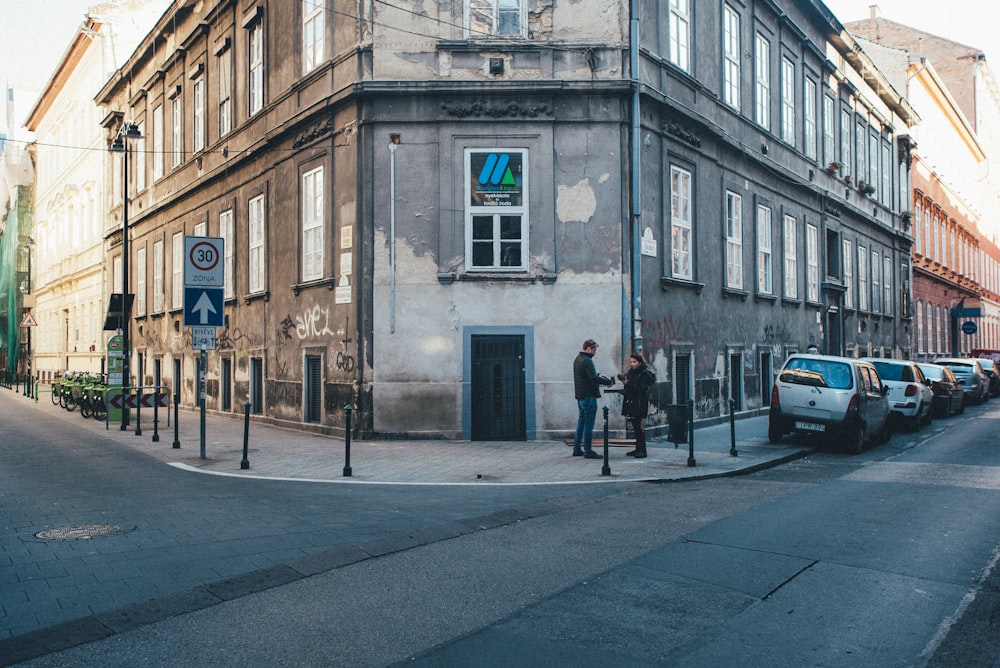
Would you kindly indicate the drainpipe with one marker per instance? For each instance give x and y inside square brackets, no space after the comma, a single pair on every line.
[392,236]
[636,177]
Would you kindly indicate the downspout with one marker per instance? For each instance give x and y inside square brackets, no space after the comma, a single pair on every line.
[636,177]
[392,236]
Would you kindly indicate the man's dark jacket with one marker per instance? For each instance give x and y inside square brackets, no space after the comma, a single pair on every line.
[586,380]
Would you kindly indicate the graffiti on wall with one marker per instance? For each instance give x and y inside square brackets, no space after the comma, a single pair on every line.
[313,322]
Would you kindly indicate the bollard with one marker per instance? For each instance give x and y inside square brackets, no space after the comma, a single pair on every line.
[606,469]
[245,464]
[156,414]
[732,428]
[347,441]
[691,461]
[177,403]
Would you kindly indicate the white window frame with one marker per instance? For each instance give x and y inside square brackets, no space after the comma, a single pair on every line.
[140,158]
[765,251]
[731,40]
[811,122]
[873,155]
[876,281]
[885,191]
[226,231]
[256,245]
[176,130]
[496,217]
[861,151]
[313,34]
[681,224]
[887,284]
[225,61]
[313,224]
[734,240]
[158,270]
[846,142]
[812,263]
[787,101]
[117,272]
[762,81]
[863,294]
[494,18]
[140,281]
[177,271]
[679,48]
[848,259]
[255,67]
[829,130]
[198,114]
[791,255]
[158,146]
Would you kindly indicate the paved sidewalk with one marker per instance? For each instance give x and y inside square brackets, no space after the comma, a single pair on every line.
[280,453]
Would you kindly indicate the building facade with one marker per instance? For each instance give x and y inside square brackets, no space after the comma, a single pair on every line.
[427,209]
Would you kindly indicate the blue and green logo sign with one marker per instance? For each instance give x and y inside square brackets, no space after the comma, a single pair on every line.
[496,178]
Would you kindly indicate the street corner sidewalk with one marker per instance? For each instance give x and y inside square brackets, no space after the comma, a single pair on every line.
[284,454]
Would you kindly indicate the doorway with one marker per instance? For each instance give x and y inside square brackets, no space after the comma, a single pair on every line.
[498,388]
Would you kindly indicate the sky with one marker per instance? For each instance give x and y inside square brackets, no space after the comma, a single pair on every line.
[34,34]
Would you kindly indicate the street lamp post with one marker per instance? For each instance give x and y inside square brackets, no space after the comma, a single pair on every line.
[128,131]
[29,243]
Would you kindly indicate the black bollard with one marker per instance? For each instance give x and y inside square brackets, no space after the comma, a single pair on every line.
[691,461]
[732,428]
[606,469]
[347,441]
[177,403]
[245,464]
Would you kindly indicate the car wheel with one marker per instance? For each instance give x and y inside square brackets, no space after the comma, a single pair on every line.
[961,407]
[774,433]
[883,436]
[929,415]
[857,442]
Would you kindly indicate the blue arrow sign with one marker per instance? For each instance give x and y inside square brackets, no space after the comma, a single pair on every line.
[203,307]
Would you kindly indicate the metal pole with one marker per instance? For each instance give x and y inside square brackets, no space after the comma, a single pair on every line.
[156,403]
[245,464]
[347,441]
[606,469]
[732,428]
[691,461]
[177,403]
[138,400]
[126,349]
[201,397]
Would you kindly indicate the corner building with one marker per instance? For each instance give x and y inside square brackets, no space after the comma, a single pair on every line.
[427,208]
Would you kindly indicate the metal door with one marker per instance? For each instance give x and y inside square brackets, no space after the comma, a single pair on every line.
[498,393]
[314,388]
[227,384]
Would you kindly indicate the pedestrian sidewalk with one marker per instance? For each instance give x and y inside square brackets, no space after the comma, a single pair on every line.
[287,454]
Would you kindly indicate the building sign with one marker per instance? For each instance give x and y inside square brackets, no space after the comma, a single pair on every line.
[496,178]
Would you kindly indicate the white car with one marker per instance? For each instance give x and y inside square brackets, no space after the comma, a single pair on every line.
[910,394]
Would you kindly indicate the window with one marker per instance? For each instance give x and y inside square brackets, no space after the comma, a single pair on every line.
[255,68]
[731,62]
[788,101]
[140,281]
[313,34]
[861,152]
[765,279]
[225,60]
[680,33]
[176,131]
[198,113]
[158,142]
[812,263]
[876,282]
[116,274]
[228,253]
[734,240]
[680,223]
[918,235]
[873,171]
[791,258]
[885,194]
[887,284]
[809,112]
[158,276]
[762,82]
[862,278]
[845,140]
[494,18]
[139,154]
[496,216]
[848,274]
[177,272]
[921,329]
[312,224]
[829,130]
[255,244]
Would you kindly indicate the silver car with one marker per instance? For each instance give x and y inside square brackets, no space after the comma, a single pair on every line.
[971,375]
[840,397]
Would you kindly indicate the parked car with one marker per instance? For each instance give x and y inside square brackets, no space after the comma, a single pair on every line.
[992,371]
[949,395]
[970,375]
[910,396]
[840,397]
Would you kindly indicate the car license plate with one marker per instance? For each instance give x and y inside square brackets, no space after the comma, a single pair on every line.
[809,426]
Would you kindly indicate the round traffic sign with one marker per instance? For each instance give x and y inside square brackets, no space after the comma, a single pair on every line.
[969,327]
[204,256]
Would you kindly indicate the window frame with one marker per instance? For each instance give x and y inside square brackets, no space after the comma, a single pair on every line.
[227,231]
[256,245]
[177,271]
[847,257]
[475,214]
[810,119]
[731,57]
[788,100]
[681,223]
[313,35]
[790,255]
[198,114]
[876,271]
[176,131]
[224,60]
[762,81]
[812,263]
[255,67]
[159,161]
[158,276]
[863,294]
[734,240]
[140,281]
[313,224]
[765,249]
[679,34]
[494,12]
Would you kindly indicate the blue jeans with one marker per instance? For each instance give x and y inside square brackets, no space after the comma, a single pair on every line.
[585,424]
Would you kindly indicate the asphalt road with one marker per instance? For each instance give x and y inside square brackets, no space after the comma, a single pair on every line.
[880,559]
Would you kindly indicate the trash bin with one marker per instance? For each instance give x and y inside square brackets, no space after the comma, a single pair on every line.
[677,423]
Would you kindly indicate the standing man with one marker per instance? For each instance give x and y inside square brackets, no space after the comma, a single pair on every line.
[587,382]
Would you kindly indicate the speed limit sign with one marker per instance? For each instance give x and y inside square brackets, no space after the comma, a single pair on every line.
[203,265]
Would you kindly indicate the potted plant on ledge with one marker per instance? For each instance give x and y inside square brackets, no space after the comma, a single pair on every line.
[835,167]
[866,187]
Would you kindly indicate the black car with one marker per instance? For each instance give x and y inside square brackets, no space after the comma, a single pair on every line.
[949,395]
[990,367]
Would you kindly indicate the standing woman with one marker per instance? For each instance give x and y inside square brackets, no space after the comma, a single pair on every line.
[635,405]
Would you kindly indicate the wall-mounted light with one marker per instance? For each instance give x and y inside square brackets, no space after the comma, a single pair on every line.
[763,149]
[496,65]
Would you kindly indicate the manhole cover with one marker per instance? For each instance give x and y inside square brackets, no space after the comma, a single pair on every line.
[82,532]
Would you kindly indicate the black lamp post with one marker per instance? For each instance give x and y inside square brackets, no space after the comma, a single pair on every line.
[29,243]
[129,130]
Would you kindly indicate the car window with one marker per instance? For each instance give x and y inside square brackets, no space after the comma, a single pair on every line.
[818,373]
[889,371]
[958,367]
[864,379]
[917,373]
